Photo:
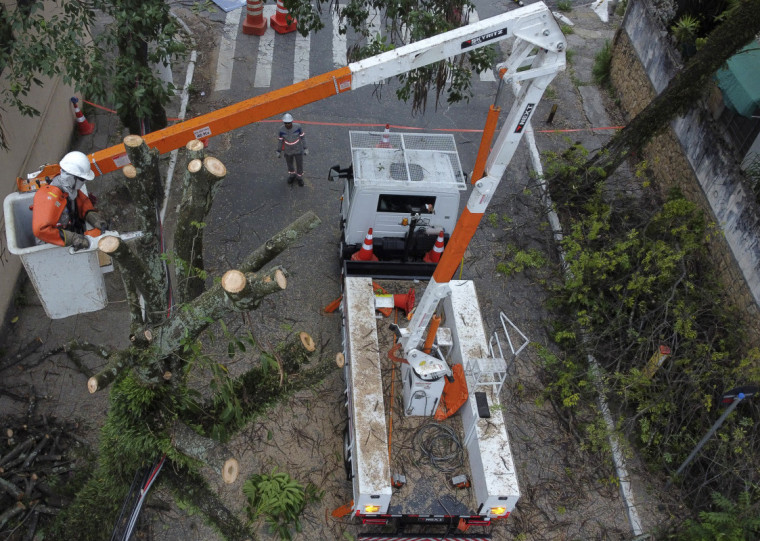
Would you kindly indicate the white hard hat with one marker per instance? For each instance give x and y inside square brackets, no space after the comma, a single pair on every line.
[287,118]
[77,164]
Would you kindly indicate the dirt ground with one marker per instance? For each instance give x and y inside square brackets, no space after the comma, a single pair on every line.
[566,492]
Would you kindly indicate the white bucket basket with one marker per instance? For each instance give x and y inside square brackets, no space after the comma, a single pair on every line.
[66,283]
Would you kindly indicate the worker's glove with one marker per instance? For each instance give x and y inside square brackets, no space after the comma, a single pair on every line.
[279,154]
[77,241]
[306,151]
[95,219]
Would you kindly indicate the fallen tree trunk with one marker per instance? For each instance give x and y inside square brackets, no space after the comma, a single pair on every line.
[194,317]
[191,489]
[280,242]
[188,442]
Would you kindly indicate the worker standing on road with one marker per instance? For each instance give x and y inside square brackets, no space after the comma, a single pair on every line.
[61,211]
[291,142]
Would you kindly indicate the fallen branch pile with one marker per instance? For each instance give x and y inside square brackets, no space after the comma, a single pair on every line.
[35,462]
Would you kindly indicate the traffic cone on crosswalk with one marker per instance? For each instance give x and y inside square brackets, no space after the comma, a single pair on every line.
[434,255]
[365,253]
[385,142]
[281,21]
[255,24]
[83,127]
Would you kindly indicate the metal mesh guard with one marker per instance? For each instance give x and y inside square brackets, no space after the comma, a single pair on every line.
[406,157]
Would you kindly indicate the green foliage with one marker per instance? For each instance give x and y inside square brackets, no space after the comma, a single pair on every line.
[565,5]
[602,65]
[280,499]
[566,29]
[114,68]
[636,277]
[519,260]
[727,520]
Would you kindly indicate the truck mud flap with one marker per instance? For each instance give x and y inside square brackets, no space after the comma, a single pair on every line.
[413,270]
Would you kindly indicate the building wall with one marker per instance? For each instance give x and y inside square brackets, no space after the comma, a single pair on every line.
[32,141]
[691,156]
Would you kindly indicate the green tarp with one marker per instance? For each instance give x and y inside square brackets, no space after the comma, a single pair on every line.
[740,81]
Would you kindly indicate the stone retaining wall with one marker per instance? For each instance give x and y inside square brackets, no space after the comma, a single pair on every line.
[690,155]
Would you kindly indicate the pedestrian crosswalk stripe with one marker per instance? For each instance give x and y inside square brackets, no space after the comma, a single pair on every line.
[263,78]
[339,41]
[301,58]
[227,50]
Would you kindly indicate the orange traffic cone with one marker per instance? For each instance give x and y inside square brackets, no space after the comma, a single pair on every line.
[83,127]
[434,255]
[281,21]
[385,142]
[405,301]
[365,253]
[255,24]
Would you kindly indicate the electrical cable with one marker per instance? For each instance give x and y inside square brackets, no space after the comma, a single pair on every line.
[440,444]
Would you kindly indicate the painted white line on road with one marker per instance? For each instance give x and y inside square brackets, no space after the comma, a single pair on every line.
[263,78]
[339,42]
[301,58]
[486,76]
[227,50]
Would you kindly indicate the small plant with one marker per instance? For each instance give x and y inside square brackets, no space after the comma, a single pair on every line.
[280,499]
[602,65]
[521,259]
[565,5]
[685,33]
[566,29]
[550,93]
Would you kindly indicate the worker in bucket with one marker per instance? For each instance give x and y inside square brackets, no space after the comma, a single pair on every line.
[291,142]
[62,211]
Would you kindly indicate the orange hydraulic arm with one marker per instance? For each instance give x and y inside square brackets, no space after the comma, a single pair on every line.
[533,20]
[214,123]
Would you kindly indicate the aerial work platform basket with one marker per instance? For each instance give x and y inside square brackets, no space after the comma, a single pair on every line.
[67,283]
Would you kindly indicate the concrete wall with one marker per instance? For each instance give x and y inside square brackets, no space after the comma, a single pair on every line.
[32,141]
[692,156]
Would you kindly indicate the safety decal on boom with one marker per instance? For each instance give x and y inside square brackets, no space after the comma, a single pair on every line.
[484,37]
[524,118]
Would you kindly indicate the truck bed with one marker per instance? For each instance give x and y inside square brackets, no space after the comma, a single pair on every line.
[426,452]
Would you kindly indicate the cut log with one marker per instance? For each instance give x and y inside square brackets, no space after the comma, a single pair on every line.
[16,451]
[117,363]
[340,359]
[246,291]
[11,512]
[297,350]
[11,489]
[188,442]
[195,149]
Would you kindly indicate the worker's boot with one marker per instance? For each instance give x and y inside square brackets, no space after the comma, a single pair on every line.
[291,178]
[300,181]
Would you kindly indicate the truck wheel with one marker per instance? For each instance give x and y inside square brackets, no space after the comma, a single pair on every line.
[347,454]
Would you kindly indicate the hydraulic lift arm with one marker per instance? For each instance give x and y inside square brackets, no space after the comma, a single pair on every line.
[542,67]
[534,23]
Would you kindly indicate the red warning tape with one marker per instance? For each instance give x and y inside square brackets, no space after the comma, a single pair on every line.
[394,126]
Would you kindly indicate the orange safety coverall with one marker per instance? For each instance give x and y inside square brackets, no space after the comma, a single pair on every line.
[49,204]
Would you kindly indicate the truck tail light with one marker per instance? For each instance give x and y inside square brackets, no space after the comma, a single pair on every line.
[370,509]
[498,510]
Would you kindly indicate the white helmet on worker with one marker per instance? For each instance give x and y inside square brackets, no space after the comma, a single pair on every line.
[76,163]
[287,118]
